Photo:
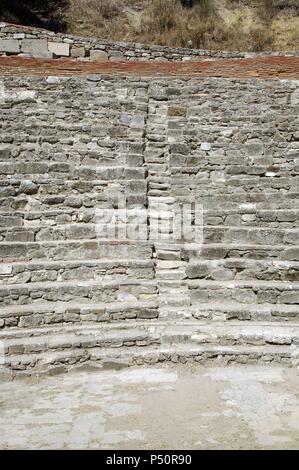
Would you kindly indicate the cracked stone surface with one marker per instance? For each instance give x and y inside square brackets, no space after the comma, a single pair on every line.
[169,407]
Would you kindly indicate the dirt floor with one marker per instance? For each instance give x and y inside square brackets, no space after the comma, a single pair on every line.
[169,407]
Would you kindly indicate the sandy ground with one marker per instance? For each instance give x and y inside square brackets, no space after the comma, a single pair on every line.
[170,407]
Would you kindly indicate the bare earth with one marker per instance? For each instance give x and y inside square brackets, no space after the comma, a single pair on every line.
[170,407]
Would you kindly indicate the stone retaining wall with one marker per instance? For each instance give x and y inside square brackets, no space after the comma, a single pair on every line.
[39,43]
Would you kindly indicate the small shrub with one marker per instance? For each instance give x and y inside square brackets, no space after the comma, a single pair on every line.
[267,10]
[261,39]
[162,15]
[92,13]
[206,7]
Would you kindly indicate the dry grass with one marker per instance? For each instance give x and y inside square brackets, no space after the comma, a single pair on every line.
[170,24]
[166,22]
[92,16]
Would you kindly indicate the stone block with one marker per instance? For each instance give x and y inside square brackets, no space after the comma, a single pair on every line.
[197,270]
[116,55]
[4,152]
[289,297]
[32,168]
[206,146]
[19,35]
[10,46]
[28,187]
[78,52]
[7,168]
[59,48]
[5,269]
[98,56]
[36,48]
[254,147]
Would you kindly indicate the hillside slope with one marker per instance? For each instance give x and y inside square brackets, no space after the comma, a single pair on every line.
[252,25]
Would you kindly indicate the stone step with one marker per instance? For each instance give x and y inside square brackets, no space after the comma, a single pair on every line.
[242,251]
[68,201]
[55,362]
[273,218]
[206,187]
[264,200]
[45,170]
[228,311]
[136,194]
[113,249]
[74,193]
[38,271]
[17,341]
[70,313]
[199,291]
[243,291]
[77,231]
[97,180]
[94,337]
[52,352]
[64,313]
[139,229]
[69,155]
[241,164]
[216,169]
[59,217]
[90,291]
[80,249]
[41,174]
[98,328]
[239,268]
[242,217]
[221,173]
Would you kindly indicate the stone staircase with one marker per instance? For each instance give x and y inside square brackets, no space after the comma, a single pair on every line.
[73,293]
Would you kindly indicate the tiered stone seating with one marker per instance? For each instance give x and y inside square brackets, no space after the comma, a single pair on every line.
[73,291]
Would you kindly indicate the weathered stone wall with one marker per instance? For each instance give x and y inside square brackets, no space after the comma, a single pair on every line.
[39,43]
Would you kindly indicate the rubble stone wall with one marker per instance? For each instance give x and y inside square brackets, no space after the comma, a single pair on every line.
[39,43]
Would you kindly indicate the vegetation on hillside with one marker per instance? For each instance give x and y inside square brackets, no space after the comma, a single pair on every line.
[51,14]
[253,25]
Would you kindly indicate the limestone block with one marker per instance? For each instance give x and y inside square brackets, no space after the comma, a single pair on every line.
[73,201]
[7,168]
[10,46]
[20,236]
[59,48]
[254,147]
[32,168]
[5,269]
[206,146]
[116,55]
[4,152]
[78,51]
[36,48]
[28,187]
[138,121]
[19,36]
[288,297]
[98,55]
[10,221]
[31,321]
